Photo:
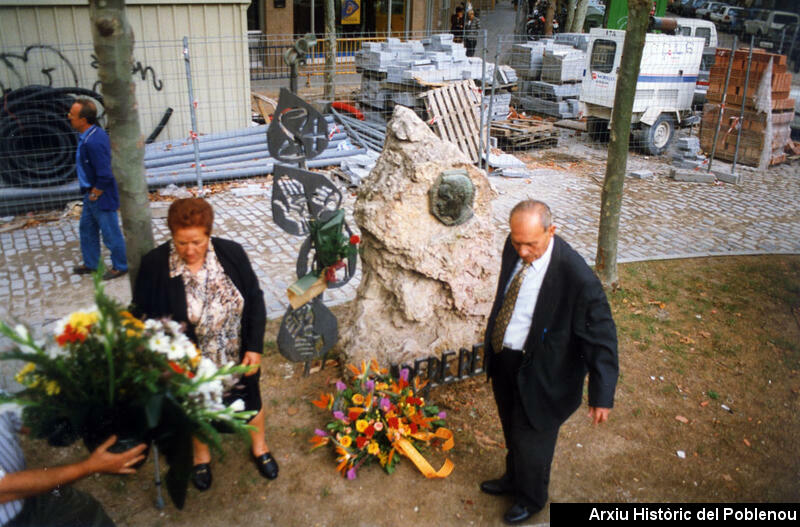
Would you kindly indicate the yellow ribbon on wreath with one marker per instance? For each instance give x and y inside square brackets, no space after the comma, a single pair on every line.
[405,447]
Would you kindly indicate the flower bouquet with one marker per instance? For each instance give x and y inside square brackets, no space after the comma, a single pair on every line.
[376,417]
[105,372]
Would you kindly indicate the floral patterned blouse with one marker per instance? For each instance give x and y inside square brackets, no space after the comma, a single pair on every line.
[213,305]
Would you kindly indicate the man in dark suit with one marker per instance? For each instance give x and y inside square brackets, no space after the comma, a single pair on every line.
[100,194]
[550,324]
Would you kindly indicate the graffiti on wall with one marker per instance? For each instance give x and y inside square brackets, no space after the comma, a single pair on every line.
[45,65]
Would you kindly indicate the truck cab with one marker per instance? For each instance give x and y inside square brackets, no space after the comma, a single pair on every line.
[664,90]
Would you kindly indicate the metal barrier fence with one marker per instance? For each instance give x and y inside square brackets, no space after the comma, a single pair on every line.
[456,83]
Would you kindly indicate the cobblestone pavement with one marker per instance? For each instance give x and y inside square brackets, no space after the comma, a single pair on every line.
[661,218]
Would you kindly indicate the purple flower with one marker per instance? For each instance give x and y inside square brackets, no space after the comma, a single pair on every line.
[351,474]
[339,415]
[404,374]
[442,415]
[370,385]
[385,404]
[340,386]
[321,433]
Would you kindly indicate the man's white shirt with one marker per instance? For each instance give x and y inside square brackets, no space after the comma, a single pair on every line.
[520,324]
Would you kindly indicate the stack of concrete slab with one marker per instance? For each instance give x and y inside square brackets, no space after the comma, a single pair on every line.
[687,154]
[550,74]
[395,72]
[562,63]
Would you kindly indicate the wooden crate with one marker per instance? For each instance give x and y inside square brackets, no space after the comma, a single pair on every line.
[522,134]
[453,113]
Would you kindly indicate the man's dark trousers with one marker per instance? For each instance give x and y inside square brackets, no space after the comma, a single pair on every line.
[530,451]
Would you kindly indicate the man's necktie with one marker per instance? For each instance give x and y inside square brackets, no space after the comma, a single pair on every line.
[504,316]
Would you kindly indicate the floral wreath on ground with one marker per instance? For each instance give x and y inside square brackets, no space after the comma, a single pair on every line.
[376,416]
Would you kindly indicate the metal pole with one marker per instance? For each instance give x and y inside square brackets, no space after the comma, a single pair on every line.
[389,20]
[193,114]
[491,103]
[483,92]
[313,26]
[159,497]
[744,100]
[722,104]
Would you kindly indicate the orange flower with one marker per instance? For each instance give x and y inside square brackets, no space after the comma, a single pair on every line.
[358,398]
[318,441]
[324,401]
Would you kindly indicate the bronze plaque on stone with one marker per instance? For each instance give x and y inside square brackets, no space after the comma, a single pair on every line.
[452,197]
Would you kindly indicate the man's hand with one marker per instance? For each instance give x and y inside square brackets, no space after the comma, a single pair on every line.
[94,194]
[251,358]
[101,460]
[598,415]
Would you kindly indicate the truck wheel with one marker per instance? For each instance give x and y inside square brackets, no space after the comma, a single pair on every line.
[657,138]
[597,129]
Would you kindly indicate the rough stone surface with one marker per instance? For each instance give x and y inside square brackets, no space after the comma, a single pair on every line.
[425,287]
[692,176]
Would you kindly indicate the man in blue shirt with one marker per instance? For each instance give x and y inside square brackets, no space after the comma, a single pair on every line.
[100,194]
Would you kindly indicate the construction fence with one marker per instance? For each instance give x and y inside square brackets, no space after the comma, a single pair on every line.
[222,91]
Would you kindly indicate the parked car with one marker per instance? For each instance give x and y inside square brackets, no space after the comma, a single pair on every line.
[729,18]
[772,24]
[693,27]
[688,9]
[705,11]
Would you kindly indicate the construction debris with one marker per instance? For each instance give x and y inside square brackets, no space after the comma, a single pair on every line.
[687,154]
[522,133]
[551,72]
[768,110]
[453,116]
[396,73]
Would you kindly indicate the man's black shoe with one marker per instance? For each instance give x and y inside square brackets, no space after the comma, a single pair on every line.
[496,487]
[518,513]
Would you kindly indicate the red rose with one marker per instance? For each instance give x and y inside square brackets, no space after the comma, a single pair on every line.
[369,431]
[413,428]
[361,441]
[393,422]
[355,240]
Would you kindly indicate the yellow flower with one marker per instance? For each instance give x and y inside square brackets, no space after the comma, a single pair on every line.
[52,388]
[81,321]
[358,399]
[410,410]
[345,441]
[361,425]
[373,448]
[381,386]
[22,374]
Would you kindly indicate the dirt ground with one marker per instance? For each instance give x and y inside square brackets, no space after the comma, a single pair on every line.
[710,367]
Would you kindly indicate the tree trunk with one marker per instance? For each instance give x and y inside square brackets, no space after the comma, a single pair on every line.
[521,18]
[330,50]
[113,45]
[548,18]
[611,201]
[571,6]
[580,16]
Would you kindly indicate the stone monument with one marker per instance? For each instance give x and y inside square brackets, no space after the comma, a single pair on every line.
[430,253]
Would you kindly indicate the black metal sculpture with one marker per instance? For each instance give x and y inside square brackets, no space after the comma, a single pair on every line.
[308,204]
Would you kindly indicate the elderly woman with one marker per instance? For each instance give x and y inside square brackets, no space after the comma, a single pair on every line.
[208,284]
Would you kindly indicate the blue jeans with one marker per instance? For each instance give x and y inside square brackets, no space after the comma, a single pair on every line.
[94,222]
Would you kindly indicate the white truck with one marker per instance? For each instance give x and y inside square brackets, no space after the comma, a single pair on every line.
[664,90]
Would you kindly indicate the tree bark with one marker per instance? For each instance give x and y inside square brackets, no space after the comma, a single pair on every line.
[113,45]
[571,6]
[611,201]
[548,18]
[580,16]
[521,18]
[330,51]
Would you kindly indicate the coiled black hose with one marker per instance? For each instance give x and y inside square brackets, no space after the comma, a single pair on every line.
[37,143]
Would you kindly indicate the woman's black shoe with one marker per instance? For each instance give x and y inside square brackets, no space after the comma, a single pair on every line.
[201,476]
[266,465]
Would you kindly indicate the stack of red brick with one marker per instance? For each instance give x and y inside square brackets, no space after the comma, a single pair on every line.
[755,132]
